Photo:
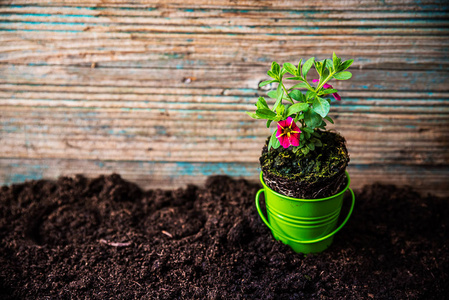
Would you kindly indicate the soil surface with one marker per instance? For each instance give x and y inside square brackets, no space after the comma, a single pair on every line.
[317,174]
[104,238]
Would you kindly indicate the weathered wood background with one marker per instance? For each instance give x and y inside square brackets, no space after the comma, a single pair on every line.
[157,90]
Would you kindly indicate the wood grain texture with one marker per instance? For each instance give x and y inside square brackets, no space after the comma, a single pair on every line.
[157,90]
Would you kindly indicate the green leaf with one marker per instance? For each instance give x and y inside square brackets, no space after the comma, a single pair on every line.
[278,118]
[287,106]
[310,95]
[317,143]
[280,109]
[296,78]
[328,63]
[343,75]
[297,107]
[312,119]
[321,106]
[275,68]
[253,115]
[319,67]
[329,119]
[272,94]
[311,146]
[305,150]
[328,91]
[300,85]
[274,142]
[290,68]
[307,65]
[272,75]
[261,103]
[283,71]
[299,117]
[322,125]
[299,67]
[279,96]
[336,62]
[324,74]
[345,65]
[265,113]
[307,129]
[307,135]
[264,83]
[297,95]
[276,104]
[269,123]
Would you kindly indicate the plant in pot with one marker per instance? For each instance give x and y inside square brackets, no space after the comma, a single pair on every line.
[303,165]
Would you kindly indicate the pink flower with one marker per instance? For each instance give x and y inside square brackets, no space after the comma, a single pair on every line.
[288,133]
[328,86]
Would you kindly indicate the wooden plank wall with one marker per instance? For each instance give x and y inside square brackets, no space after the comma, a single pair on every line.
[157,90]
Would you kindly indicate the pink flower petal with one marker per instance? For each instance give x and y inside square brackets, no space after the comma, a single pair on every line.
[279,132]
[288,133]
[315,80]
[327,86]
[336,96]
[282,124]
[295,127]
[293,140]
[284,141]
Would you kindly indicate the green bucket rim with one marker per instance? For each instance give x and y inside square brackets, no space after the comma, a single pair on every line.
[306,200]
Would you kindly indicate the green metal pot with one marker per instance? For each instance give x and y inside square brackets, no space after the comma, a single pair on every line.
[304,230]
[309,225]
[299,220]
[306,209]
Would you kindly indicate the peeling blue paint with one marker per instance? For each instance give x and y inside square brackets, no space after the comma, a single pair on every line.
[19,178]
[32,172]
[248,137]
[208,169]
[43,30]
[52,15]
[62,23]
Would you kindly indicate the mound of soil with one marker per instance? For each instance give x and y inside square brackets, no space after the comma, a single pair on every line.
[105,238]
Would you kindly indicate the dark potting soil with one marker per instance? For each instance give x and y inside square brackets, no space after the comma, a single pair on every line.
[104,238]
[317,174]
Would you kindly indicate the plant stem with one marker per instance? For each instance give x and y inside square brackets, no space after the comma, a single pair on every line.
[285,91]
[309,85]
[325,80]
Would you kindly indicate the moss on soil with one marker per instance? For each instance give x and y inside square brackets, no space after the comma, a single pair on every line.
[323,162]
